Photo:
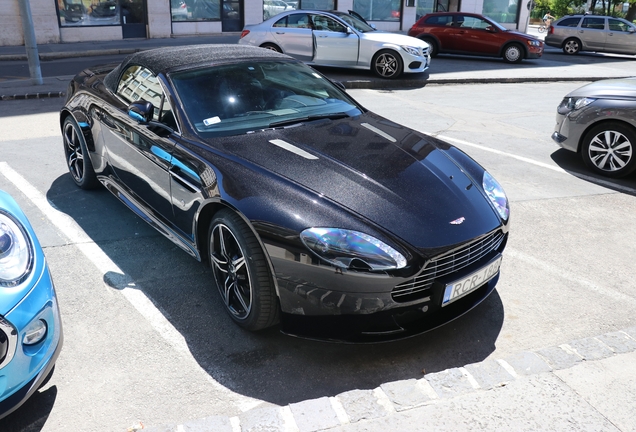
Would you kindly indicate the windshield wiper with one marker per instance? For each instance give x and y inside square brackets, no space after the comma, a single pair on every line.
[331,116]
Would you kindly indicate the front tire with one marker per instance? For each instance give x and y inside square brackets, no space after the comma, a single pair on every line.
[609,149]
[76,155]
[571,46]
[387,64]
[513,53]
[241,272]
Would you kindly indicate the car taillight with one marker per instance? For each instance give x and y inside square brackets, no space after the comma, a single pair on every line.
[551,30]
[244,33]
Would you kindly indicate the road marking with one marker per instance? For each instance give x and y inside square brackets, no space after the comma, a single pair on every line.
[133,293]
[564,274]
[598,181]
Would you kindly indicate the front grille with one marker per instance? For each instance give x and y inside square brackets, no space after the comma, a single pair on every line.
[445,264]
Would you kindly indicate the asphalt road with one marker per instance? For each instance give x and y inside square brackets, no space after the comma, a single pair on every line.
[156,346]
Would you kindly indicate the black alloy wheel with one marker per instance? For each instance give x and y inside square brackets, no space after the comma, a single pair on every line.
[241,272]
[609,149]
[76,155]
[387,64]
[513,53]
[572,46]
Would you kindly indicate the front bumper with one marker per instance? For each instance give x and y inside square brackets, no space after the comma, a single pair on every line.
[563,134]
[320,302]
[415,64]
[535,52]
[27,367]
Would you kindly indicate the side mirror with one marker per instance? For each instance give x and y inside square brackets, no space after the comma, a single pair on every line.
[141,111]
[490,29]
[349,31]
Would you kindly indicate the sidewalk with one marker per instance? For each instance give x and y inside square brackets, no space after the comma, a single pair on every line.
[587,384]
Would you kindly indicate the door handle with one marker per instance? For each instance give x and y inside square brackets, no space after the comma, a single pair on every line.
[280,32]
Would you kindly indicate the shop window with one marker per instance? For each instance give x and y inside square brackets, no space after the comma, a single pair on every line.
[204,10]
[378,10]
[502,11]
[73,13]
[274,7]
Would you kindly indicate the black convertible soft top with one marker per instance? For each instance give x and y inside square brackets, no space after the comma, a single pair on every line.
[161,60]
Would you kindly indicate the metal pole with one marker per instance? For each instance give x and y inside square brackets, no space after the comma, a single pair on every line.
[30,43]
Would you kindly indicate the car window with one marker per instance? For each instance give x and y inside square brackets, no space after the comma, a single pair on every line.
[618,25]
[138,83]
[593,23]
[569,22]
[475,23]
[439,20]
[321,22]
[299,20]
[354,22]
[238,98]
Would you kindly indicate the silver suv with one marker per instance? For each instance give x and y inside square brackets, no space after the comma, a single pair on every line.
[576,33]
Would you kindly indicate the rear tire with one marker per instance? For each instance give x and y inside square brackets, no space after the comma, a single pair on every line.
[434,48]
[387,64]
[271,46]
[572,46]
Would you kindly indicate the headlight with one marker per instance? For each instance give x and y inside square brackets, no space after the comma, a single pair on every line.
[345,249]
[411,50]
[534,43]
[496,195]
[574,103]
[15,252]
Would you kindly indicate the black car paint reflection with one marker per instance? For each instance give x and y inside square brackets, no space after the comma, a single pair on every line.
[260,187]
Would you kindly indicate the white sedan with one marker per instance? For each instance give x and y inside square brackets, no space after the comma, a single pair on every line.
[341,40]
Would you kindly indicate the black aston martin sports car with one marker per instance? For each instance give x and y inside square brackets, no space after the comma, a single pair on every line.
[312,211]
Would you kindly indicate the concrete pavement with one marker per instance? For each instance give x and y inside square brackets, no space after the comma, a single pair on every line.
[587,384]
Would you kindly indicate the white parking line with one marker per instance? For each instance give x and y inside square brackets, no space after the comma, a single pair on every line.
[133,293]
[595,180]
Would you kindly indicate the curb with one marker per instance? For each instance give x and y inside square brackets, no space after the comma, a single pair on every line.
[393,398]
[39,95]
[72,54]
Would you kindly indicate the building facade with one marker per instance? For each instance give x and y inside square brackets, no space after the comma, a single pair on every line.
[60,21]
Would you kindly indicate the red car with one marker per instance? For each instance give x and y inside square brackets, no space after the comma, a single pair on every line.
[474,34]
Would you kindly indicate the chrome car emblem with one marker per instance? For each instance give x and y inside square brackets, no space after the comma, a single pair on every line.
[458,221]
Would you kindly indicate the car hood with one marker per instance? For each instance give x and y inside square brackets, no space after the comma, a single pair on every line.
[521,35]
[393,38]
[624,88]
[400,180]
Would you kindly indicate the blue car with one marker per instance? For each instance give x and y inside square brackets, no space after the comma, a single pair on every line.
[30,327]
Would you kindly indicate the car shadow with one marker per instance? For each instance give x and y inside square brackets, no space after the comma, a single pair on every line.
[573,164]
[31,416]
[266,365]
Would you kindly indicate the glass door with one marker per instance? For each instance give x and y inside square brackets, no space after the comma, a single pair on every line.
[232,15]
[133,18]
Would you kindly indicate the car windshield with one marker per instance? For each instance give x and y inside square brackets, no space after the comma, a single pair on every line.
[238,98]
[355,23]
[499,26]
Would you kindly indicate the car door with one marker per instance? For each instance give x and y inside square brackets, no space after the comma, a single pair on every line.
[334,44]
[593,33]
[293,34]
[621,37]
[140,155]
[475,35]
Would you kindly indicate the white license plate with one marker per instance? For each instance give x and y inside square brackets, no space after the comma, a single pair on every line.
[460,288]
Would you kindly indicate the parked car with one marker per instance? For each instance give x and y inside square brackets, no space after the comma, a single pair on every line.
[105,9]
[339,39]
[474,34]
[30,326]
[574,33]
[598,121]
[309,208]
